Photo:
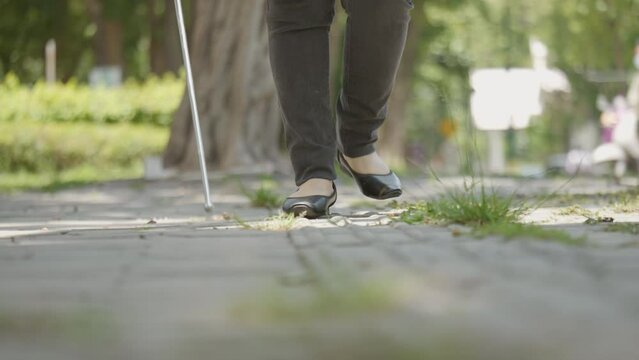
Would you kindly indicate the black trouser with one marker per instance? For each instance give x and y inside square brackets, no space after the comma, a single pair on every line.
[299,53]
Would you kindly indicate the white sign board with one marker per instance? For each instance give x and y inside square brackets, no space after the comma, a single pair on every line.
[106,76]
[505,98]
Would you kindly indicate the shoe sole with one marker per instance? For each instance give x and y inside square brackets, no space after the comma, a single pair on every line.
[390,194]
[304,211]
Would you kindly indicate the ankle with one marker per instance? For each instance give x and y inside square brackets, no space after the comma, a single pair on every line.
[315,186]
[317,182]
[368,164]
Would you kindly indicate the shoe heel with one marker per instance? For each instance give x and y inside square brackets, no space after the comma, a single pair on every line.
[345,170]
[342,166]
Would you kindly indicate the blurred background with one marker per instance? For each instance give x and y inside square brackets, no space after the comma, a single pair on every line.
[93,90]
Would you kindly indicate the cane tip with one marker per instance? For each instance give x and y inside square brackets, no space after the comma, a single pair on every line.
[208,208]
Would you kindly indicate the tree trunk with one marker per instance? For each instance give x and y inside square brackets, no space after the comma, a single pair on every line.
[108,41]
[165,46]
[238,108]
[392,135]
[171,48]
[158,63]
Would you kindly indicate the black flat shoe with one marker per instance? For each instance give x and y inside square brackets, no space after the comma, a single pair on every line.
[376,186]
[314,205]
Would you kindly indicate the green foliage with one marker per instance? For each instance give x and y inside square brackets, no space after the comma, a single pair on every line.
[592,34]
[26,26]
[582,36]
[33,147]
[152,102]
[461,36]
[55,135]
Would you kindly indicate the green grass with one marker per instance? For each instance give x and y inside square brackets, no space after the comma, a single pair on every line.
[627,202]
[592,217]
[472,206]
[576,210]
[265,196]
[491,216]
[487,213]
[511,231]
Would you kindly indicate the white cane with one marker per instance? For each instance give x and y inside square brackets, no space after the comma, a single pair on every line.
[208,205]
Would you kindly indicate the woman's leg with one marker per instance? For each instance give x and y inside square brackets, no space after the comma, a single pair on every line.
[299,54]
[375,37]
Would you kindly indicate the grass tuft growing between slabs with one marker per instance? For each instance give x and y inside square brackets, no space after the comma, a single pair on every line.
[265,196]
[576,210]
[472,206]
[627,202]
[592,217]
[487,213]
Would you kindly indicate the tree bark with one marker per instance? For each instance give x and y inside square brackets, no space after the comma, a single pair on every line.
[108,41]
[238,108]
[165,46]
[392,135]
[173,60]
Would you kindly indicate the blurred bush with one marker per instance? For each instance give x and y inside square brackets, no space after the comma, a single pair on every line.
[33,147]
[150,102]
[54,128]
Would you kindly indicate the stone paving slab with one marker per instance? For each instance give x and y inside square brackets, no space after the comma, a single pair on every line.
[85,273]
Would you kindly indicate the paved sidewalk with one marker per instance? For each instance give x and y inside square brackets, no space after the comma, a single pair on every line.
[136,270]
